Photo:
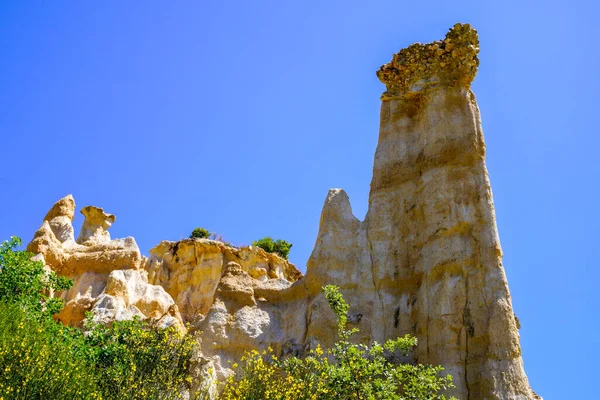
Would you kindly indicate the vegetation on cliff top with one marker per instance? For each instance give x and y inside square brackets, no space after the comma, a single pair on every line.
[278,246]
[200,233]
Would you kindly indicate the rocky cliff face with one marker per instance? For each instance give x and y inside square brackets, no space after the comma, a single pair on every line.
[426,260]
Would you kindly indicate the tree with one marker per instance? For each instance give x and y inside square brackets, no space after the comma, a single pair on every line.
[26,282]
[278,246]
[200,233]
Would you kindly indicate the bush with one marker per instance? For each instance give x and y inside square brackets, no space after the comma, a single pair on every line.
[348,371]
[278,246]
[39,358]
[25,282]
[135,361]
[200,233]
[42,359]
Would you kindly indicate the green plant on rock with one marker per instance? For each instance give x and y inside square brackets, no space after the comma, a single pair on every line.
[200,233]
[347,371]
[278,246]
[25,282]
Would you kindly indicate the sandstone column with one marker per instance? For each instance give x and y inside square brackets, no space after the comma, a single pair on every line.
[431,228]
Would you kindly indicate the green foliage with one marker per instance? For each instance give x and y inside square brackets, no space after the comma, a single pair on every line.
[200,233]
[278,246]
[347,371]
[339,306]
[25,282]
[135,361]
[42,359]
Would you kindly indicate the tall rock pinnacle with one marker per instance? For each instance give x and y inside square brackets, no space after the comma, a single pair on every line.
[428,257]
[431,225]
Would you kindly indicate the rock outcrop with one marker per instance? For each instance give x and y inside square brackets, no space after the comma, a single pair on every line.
[108,278]
[190,270]
[425,261]
[176,285]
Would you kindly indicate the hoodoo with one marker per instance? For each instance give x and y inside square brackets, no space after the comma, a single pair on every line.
[426,260]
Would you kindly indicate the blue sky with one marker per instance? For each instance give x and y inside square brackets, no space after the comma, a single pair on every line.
[239,116]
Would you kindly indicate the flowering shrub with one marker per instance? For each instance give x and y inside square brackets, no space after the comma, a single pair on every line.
[347,371]
[38,359]
[42,359]
[135,361]
[264,376]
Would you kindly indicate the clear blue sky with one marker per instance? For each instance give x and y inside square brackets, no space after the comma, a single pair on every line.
[239,116]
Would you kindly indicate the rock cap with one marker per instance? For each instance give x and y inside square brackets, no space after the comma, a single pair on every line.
[64,207]
[452,61]
[95,226]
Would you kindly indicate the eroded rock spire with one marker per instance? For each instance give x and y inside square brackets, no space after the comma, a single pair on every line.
[427,259]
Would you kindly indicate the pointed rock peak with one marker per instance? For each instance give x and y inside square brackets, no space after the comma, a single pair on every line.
[64,207]
[95,226]
[337,207]
[452,60]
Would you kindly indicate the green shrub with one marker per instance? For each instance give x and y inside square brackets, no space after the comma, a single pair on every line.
[39,359]
[25,282]
[278,246]
[200,233]
[135,361]
[42,359]
[347,371]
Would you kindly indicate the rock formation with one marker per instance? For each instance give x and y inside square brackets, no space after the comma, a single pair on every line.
[190,270]
[425,261]
[108,278]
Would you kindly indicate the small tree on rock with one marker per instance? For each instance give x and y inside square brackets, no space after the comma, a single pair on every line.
[278,246]
[200,233]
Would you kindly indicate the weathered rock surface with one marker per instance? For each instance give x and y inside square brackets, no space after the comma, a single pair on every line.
[95,227]
[107,275]
[190,270]
[435,254]
[425,261]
